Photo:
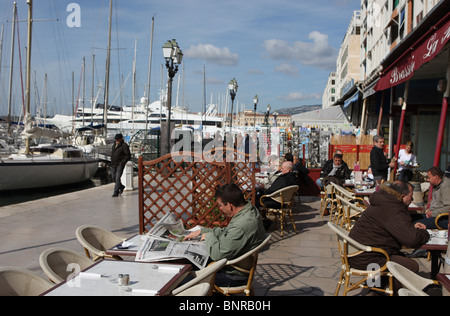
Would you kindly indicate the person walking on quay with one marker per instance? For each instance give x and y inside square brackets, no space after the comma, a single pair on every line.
[378,160]
[120,155]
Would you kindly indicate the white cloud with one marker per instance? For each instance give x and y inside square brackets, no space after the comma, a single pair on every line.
[316,53]
[287,69]
[216,55]
[298,96]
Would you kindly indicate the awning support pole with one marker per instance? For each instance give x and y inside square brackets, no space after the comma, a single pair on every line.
[402,123]
[440,137]
[363,116]
[380,117]
[391,124]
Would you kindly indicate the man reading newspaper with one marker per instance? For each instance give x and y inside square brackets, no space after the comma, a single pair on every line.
[164,242]
[244,232]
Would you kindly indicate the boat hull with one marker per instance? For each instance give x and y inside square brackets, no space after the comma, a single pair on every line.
[15,175]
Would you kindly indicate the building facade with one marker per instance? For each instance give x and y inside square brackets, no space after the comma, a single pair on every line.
[329,94]
[249,119]
[404,53]
[348,61]
[385,23]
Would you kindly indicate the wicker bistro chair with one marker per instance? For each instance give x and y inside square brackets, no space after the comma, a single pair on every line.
[59,264]
[286,197]
[348,214]
[439,218]
[202,289]
[347,195]
[246,264]
[348,248]
[327,201]
[206,275]
[20,282]
[414,283]
[96,241]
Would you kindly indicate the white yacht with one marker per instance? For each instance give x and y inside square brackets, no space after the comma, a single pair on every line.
[46,166]
[128,119]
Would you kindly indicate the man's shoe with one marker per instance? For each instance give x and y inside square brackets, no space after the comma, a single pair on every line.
[115,195]
[121,189]
[418,253]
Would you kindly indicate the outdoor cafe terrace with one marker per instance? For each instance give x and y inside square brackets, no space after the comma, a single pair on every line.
[306,262]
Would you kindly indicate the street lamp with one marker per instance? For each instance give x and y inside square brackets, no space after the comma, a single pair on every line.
[174,56]
[233,87]
[255,102]
[266,118]
[266,122]
[275,115]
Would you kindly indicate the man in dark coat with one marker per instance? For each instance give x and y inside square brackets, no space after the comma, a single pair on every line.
[386,224]
[378,161]
[120,155]
[286,179]
[335,168]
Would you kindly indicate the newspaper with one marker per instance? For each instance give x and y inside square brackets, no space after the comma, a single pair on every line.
[164,242]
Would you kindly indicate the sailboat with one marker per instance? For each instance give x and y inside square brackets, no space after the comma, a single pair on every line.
[46,165]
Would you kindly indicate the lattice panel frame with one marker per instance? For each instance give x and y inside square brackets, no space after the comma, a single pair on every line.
[185,183]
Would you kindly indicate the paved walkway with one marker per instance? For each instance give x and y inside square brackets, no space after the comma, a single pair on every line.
[306,263]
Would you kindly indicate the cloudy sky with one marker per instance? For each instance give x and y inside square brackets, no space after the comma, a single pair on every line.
[282,50]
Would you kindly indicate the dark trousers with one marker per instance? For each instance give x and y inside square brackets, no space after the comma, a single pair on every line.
[431,222]
[116,174]
[408,263]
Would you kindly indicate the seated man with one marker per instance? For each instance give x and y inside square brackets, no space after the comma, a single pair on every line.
[289,157]
[285,179]
[271,175]
[299,168]
[386,224]
[440,202]
[244,232]
[336,168]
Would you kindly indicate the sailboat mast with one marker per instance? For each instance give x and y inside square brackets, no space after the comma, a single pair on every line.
[28,78]
[149,77]
[108,66]
[11,69]
[134,83]
[93,83]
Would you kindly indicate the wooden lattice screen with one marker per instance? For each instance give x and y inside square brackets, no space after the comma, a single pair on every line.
[185,183]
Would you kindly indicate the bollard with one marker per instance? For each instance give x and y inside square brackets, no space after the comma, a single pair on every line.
[128,177]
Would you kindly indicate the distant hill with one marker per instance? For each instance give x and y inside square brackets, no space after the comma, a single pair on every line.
[299,109]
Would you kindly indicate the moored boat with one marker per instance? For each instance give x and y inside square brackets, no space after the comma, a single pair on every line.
[46,166]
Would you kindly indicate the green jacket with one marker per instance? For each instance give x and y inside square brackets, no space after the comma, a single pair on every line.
[244,232]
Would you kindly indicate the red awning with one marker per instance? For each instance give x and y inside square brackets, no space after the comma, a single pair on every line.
[423,51]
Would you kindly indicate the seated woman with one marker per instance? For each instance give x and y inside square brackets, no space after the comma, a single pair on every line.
[407,161]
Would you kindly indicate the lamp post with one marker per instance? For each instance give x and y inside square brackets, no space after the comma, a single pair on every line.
[266,122]
[255,102]
[174,56]
[275,115]
[233,87]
